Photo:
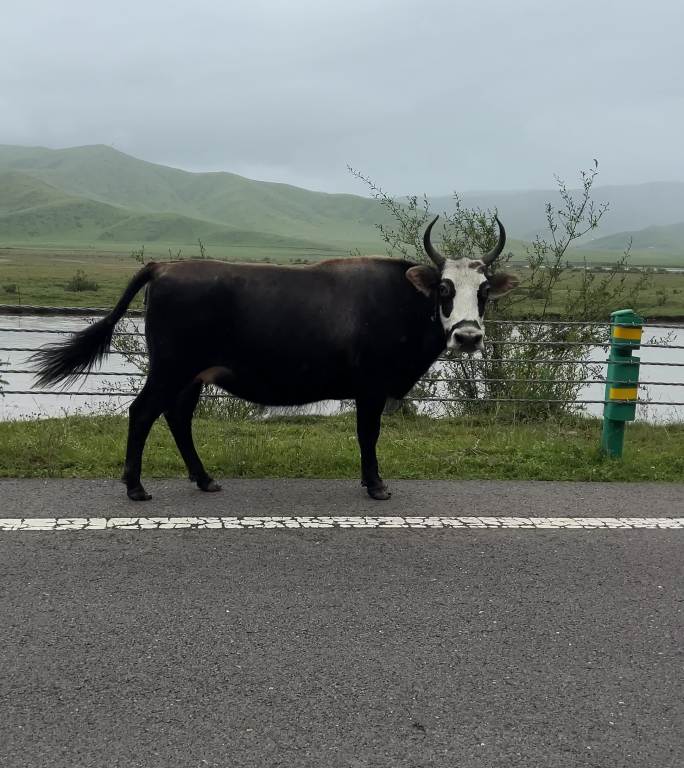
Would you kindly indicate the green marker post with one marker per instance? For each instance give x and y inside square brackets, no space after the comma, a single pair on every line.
[622,380]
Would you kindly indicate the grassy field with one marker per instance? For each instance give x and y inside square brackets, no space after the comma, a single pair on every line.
[663,298]
[39,276]
[326,447]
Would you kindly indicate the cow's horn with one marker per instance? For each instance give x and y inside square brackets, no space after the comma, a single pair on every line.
[431,251]
[489,257]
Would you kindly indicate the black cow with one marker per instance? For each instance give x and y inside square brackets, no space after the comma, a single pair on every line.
[357,328]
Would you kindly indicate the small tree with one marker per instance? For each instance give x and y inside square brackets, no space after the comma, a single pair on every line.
[534,341]
[139,255]
[81,282]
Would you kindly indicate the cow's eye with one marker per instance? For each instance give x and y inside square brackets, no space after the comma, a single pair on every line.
[445,290]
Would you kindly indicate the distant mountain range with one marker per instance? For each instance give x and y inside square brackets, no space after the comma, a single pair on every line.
[96,195]
[658,239]
[630,207]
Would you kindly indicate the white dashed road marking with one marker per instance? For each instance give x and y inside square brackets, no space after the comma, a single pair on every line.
[413,523]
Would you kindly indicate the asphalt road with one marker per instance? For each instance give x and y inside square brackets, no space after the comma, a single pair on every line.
[326,647]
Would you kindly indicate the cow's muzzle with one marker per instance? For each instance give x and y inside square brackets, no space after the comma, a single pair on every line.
[466,336]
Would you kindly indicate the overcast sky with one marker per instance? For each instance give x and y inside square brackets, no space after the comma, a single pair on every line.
[430,96]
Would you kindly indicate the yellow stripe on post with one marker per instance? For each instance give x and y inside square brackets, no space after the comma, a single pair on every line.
[623,393]
[630,334]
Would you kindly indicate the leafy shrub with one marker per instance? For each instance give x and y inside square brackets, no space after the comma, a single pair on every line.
[139,254]
[81,282]
[529,368]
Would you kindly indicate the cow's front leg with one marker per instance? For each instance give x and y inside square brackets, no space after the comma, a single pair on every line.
[368,414]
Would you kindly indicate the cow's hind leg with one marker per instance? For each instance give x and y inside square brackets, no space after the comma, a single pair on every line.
[368,415]
[152,400]
[179,419]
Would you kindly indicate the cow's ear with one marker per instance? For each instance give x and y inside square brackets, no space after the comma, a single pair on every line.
[424,279]
[500,284]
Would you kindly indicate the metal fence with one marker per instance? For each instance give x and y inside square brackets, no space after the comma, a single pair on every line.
[663,337]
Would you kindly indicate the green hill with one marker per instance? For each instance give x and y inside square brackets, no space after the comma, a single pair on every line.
[97,195]
[666,240]
[109,177]
[19,192]
[183,230]
[32,210]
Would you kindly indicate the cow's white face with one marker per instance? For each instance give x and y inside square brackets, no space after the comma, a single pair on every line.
[461,288]
[461,292]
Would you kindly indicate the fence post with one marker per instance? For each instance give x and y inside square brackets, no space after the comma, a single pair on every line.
[622,379]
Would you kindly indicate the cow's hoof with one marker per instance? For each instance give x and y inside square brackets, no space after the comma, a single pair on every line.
[379,492]
[210,486]
[138,494]
[192,478]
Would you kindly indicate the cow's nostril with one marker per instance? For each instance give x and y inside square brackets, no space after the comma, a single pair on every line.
[468,337]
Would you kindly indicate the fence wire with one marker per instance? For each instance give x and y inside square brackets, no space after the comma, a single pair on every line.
[435,380]
[503,342]
[32,309]
[478,363]
[474,360]
[419,399]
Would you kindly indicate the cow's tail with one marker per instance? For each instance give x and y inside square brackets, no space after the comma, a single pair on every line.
[77,355]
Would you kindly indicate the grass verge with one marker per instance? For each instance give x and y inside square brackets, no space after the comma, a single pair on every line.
[325,447]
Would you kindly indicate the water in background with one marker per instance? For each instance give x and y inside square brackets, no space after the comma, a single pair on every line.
[35,405]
